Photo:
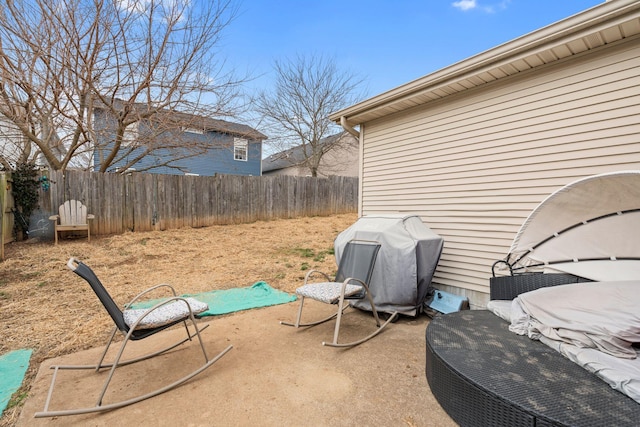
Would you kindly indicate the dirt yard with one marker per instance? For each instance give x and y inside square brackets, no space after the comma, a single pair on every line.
[47,308]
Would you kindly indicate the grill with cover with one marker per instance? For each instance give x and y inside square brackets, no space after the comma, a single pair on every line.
[406,262]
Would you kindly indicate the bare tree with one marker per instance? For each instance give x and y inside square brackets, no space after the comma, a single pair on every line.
[137,61]
[296,112]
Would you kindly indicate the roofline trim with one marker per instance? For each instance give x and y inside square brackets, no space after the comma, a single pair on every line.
[545,38]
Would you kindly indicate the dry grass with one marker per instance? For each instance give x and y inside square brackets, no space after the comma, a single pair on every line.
[45,307]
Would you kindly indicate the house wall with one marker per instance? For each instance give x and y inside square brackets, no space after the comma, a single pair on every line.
[341,160]
[221,161]
[475,164]
[290,171]
[218,159]
[11,140]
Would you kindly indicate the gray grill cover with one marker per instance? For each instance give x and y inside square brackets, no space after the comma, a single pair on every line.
[406,262]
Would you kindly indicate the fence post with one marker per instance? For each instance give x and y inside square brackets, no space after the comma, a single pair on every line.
[3,190]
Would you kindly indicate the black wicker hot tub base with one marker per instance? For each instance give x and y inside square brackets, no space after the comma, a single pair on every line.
[484,375]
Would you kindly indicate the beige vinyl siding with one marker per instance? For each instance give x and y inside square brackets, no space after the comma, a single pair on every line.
[475,164]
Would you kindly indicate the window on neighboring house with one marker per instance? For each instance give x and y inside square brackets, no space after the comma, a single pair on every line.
[130,135]
[240,147]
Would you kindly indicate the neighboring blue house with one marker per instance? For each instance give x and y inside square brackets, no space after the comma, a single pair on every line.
[195,145]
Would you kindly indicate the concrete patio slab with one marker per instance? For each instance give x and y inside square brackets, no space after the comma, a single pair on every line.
[274,376]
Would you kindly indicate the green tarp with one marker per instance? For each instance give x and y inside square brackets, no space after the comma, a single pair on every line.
[225,301]
[13,366]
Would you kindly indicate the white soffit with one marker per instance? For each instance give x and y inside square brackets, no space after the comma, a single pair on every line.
[603,24]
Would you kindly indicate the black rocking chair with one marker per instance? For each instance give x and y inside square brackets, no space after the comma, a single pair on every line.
[135,324]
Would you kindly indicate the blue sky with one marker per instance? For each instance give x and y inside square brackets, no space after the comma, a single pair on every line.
[386,43]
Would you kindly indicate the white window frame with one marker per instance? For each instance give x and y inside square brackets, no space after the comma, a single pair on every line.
[240,149]
[130,135]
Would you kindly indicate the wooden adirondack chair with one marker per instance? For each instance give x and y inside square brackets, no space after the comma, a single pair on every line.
[72,216]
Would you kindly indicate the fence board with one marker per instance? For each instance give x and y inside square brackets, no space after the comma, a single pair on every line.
[6,234]
[144,202]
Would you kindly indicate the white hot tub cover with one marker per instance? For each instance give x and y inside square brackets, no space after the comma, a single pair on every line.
[406,262]
[589,228]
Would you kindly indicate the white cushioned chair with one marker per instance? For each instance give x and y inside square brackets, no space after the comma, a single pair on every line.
[351,282]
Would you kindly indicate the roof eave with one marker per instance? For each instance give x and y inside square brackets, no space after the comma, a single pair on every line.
[472,72]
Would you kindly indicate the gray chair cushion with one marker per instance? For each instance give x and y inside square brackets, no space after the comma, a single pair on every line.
[165,314]
[327,292]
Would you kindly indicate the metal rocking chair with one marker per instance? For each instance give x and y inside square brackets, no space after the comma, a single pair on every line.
[351,282]
[135,324]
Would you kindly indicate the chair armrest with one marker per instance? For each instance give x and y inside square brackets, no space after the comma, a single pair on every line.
[310,272]
[348,281]
[151,289]
[54,217]
[358,282]
[90,216]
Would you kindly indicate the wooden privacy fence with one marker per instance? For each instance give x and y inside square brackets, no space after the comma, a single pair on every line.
[144,202]
[6,206]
